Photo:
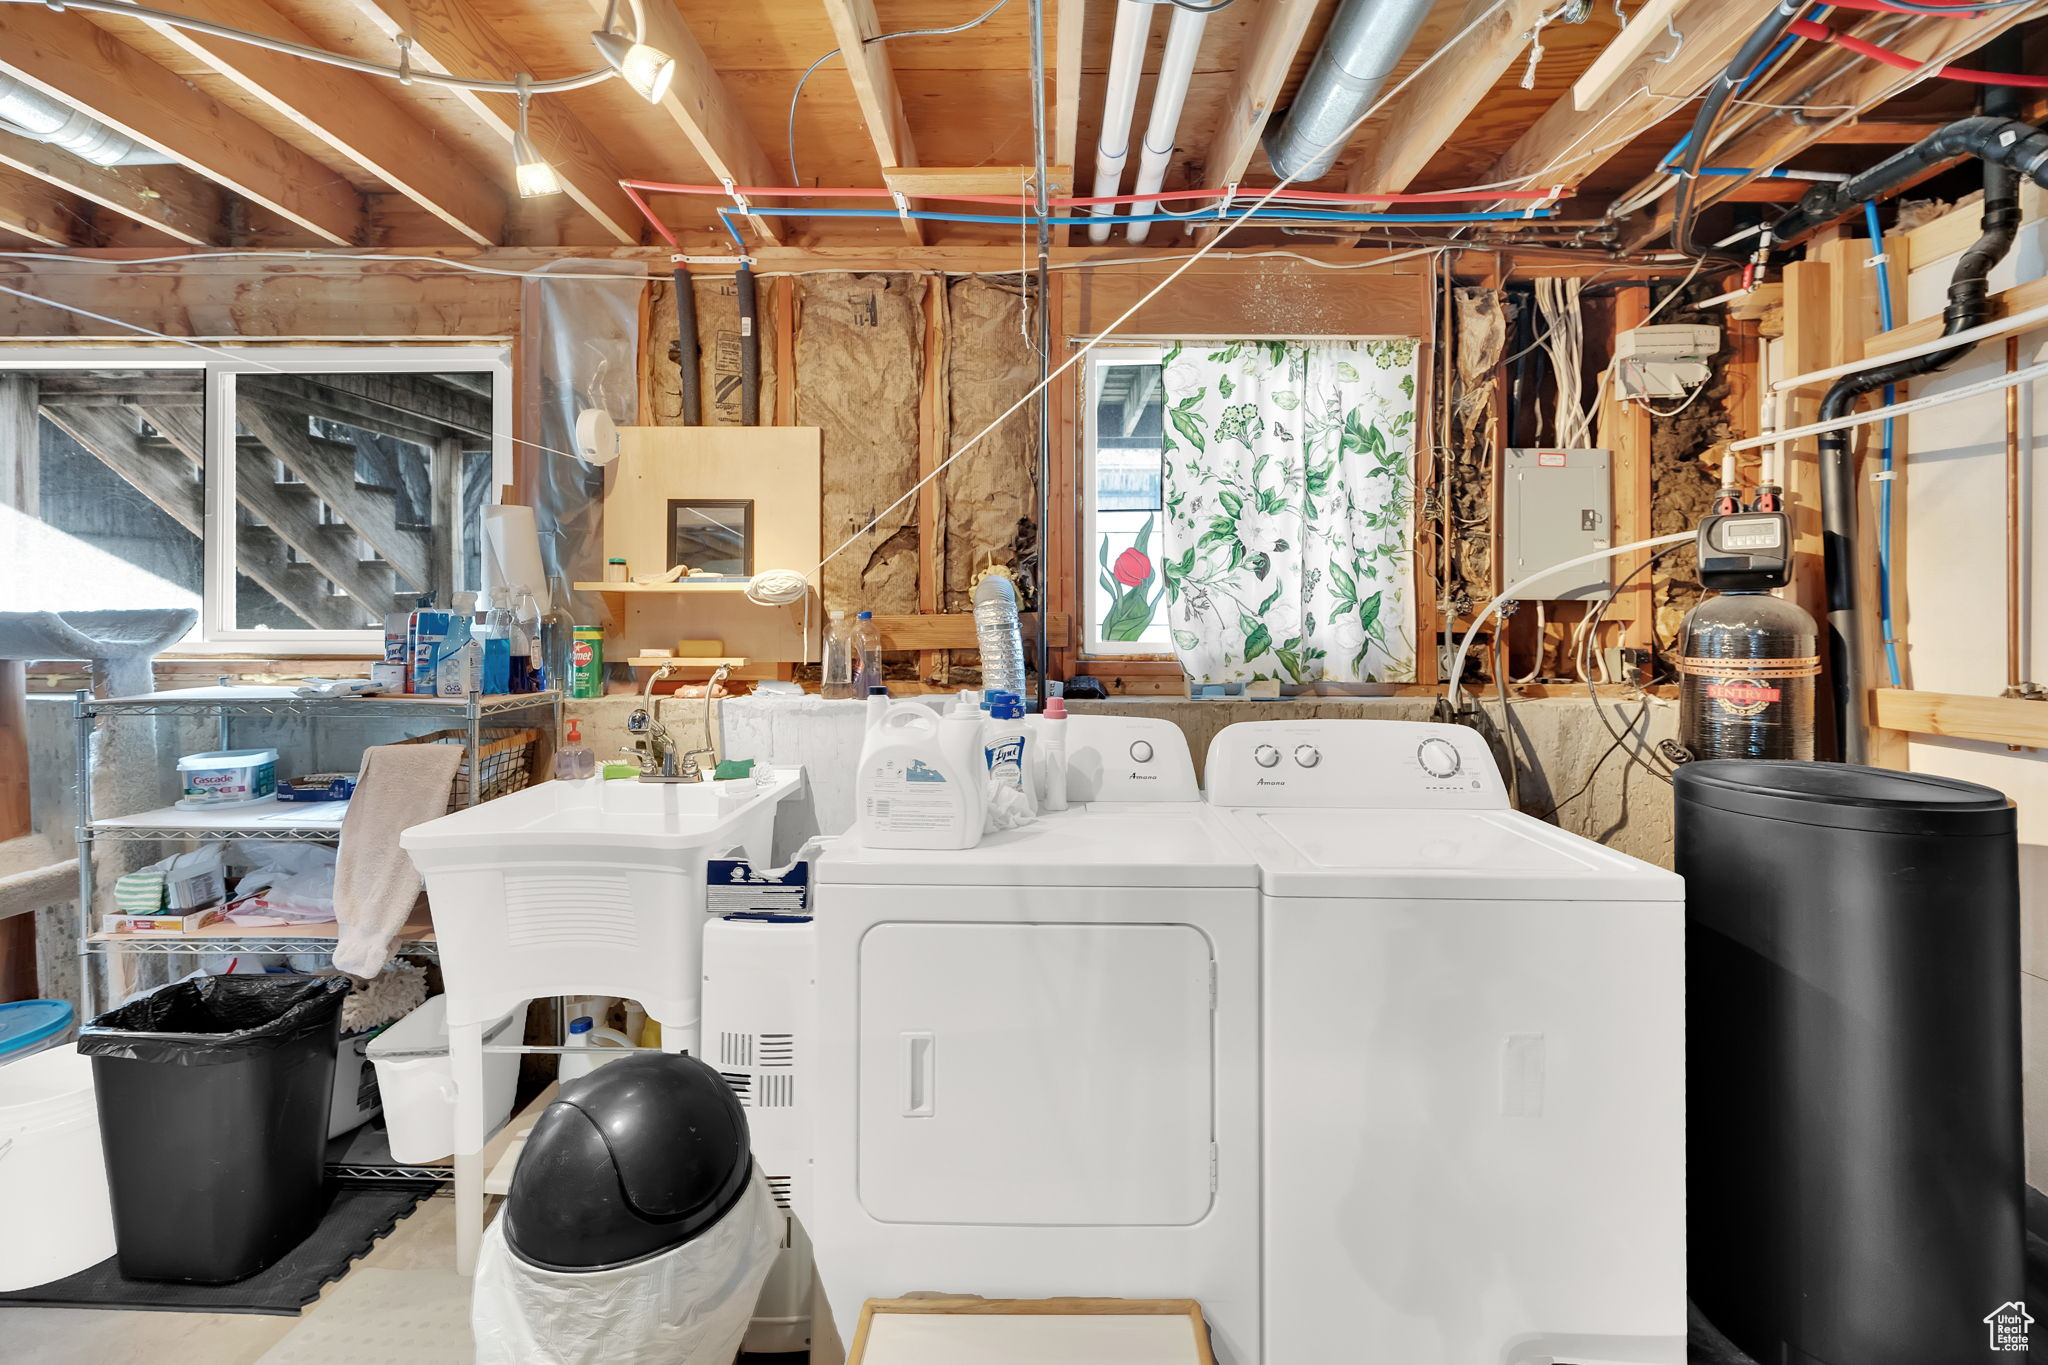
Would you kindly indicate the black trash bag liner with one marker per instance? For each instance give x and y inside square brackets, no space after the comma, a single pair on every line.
[216,1020]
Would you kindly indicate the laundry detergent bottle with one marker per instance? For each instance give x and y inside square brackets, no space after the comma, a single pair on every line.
[921,781]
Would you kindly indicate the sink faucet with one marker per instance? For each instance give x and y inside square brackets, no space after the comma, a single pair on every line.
[674,767]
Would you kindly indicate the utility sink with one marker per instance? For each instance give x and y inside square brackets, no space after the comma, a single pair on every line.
[617,814]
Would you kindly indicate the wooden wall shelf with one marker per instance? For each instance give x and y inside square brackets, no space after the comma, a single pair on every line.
[1990,720]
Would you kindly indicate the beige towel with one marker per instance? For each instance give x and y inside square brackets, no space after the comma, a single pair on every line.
[375,882]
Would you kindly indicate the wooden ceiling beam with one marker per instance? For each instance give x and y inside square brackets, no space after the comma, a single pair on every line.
[1270,45]
[1565,144]
[68,58]
[358,116]
[1857,90]
[700,105]
[1427,114]
[449,36]
[874,88]
[170,199]
[41,212]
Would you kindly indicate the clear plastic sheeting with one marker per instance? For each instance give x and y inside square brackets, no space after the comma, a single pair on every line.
[583,352]
[689,1306]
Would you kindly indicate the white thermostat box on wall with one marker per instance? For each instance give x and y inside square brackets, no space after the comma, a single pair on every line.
[1556,505]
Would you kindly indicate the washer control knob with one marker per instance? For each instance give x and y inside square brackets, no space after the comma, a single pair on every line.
[1439,758]
[1265,755]
[1307,755]
[1141,751]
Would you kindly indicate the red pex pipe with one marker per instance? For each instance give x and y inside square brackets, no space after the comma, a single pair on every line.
[1821,33]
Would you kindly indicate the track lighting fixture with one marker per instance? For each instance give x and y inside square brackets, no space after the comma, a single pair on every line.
[530,171]
[648,70]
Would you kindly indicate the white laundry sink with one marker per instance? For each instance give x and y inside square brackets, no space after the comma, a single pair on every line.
[587,888]
[618,814]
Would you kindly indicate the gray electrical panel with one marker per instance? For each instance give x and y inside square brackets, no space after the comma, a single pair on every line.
[1556,505]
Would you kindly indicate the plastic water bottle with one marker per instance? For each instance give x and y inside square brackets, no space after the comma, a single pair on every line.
[1000,633]
[867,654]
[836,673]
[558,639]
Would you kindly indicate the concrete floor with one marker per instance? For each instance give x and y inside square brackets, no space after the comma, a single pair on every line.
[422,1241]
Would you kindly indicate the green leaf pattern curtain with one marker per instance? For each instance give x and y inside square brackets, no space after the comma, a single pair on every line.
[1287,484]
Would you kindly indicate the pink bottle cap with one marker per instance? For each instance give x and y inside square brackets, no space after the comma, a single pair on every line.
[1055,708]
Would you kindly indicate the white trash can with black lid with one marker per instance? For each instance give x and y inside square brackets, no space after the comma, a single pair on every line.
[637,1230]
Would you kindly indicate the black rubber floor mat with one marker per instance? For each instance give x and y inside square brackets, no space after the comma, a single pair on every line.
[357,1215]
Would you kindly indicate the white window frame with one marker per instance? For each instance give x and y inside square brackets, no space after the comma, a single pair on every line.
[1093,646]
[219,368]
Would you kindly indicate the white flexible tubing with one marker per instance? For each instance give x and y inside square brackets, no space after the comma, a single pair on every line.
[1932,400]
[1169,93]
[1465,645]
[1119,106]
[1983,331]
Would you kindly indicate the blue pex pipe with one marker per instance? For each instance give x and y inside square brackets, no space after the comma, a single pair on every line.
[728,212]
[1884,488]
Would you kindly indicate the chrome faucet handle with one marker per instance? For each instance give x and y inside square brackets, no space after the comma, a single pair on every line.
[691,770]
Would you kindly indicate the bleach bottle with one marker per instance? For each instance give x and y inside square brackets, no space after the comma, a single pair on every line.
[921,782]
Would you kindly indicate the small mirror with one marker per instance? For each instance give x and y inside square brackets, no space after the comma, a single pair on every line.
[712,535]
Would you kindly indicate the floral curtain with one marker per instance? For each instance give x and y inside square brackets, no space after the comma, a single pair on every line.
[1287,483]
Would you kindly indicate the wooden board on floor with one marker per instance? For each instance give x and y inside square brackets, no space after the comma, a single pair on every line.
[945,1331]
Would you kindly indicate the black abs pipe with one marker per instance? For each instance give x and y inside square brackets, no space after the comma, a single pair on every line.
[1998,141]
[750,350]
[686,348]
[2010,148]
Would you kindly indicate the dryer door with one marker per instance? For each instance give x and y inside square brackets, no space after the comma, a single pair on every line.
[1035,1074]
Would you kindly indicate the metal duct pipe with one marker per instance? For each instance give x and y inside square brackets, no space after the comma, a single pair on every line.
[1169,93]
[28,111]
[1365,42]
[1119,103]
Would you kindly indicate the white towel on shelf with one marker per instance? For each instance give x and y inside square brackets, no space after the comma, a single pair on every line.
[375,882]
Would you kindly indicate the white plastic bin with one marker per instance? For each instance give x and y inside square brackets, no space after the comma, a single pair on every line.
[356,1100]
[418,1083]
[54,1209]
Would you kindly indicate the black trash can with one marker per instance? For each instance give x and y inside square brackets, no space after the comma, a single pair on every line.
[1855,1177]
[213,1097]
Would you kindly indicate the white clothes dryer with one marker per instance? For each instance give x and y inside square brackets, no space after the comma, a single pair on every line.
[1039,1057]
[1473,1057]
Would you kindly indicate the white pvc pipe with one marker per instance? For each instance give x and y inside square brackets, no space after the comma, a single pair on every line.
[1169,92]
[1996,328]
[1119,104]
[1513,592]
[1932,400]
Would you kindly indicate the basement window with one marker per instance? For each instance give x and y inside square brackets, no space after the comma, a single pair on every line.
[1122,499]
[292,498]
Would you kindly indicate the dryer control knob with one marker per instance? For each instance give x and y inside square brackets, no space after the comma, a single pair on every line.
[1265,755]
[1141,751]
[1439,758]
[1307,755]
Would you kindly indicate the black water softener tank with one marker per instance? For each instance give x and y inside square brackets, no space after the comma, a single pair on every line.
[1854,1162]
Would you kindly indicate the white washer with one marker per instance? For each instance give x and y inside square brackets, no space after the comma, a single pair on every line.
[1040,1058]
[1473,1060]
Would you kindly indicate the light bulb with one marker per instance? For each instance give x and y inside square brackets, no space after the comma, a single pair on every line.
[531,172]
[648,70]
